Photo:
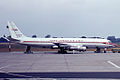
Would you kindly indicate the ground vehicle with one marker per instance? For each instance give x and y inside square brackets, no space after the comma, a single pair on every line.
[114,50]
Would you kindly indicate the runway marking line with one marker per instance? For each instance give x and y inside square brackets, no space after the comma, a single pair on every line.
[110,62]
[18,75]
[4,67]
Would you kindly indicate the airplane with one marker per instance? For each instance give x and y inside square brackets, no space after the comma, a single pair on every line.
[63,44]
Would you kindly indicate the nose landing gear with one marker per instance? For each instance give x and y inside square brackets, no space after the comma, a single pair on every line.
[98,50]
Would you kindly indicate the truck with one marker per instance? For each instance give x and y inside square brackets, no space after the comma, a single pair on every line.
[116,50]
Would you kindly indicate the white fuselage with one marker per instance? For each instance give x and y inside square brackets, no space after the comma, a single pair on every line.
[48,42]
[61,43]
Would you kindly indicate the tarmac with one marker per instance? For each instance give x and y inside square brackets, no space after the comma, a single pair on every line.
[55,65]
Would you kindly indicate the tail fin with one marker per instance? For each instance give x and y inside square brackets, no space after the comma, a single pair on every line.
[14,31]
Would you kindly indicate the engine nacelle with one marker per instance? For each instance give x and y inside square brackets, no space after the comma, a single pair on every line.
[79,48]
[54,47]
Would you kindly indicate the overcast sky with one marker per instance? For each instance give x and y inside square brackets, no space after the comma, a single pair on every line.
[62,18]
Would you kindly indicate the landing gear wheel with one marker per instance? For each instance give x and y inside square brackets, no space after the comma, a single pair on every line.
[28,50]
[105,50]
[59,51]
[62,51]
[98,50]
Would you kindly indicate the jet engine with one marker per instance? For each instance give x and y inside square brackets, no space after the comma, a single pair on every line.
[54,47]
[78,48]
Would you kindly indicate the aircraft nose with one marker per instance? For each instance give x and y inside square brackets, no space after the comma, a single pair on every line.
[114,45]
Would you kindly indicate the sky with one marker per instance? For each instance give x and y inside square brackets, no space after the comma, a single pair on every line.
[62,18]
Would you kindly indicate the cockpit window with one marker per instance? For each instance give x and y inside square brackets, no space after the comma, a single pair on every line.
[109,41]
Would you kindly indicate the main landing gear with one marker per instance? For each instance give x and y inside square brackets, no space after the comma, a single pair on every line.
[28,50]
[62,50]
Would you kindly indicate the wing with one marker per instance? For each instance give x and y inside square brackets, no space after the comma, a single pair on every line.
[70,46]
